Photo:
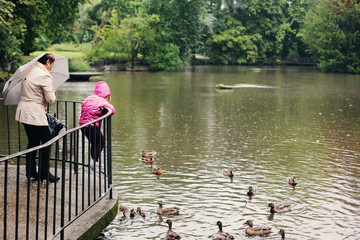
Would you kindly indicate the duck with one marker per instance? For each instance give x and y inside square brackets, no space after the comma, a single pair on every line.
[149,160]
[157,171]
[293,181]
[250,230]
[148,154]
[221,234]
[170,235]
[8,162]
[123,217]
[282,233]
[123,208]
[132,213]
[139,212]
[279,208]
[252,191]
[228,173]
[167,211]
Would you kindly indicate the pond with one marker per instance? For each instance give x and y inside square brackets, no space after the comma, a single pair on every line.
[276,123]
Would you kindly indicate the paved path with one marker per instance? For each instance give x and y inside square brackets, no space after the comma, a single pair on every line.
[74,202]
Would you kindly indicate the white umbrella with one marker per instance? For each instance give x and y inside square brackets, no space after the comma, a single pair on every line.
[12,88]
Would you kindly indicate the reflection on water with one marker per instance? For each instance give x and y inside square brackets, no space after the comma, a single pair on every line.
[285,122]
[243,85]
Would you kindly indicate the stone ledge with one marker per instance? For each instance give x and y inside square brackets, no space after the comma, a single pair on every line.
[94,221]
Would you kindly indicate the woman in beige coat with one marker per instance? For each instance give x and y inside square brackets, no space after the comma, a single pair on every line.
[36,92]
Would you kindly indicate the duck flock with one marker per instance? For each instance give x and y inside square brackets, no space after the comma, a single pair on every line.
[149,158]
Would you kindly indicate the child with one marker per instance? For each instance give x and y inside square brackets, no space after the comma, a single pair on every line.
[91,109]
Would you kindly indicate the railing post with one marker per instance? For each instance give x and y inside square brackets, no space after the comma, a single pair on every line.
[62,220]
[109,156]
[5,199]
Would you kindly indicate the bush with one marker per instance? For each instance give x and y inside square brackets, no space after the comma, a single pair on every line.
[162,57]
[79,65]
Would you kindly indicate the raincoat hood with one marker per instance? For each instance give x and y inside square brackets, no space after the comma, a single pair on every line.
[102,89]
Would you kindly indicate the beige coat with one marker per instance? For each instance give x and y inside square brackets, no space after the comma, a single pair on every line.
[36,92]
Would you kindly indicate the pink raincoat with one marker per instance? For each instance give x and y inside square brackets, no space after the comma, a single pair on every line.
[92,105]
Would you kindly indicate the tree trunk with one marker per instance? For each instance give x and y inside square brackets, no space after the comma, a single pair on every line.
[103,23]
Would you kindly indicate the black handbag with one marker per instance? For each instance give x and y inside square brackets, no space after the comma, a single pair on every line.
[54,125]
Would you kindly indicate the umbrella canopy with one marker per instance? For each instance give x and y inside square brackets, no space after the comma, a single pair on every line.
[12,88]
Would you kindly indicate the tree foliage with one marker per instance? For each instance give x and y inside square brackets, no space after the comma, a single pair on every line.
[166,34]
[233,44]
[51,19]
[332,34]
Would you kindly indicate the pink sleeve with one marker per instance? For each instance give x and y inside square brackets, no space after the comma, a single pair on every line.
[108,105]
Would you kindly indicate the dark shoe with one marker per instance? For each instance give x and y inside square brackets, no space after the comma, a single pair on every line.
[51,179]
[35,176]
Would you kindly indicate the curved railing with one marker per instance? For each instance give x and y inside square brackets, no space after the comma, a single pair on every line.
[30,209]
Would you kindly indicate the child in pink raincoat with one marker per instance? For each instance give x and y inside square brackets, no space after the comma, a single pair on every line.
[92,108]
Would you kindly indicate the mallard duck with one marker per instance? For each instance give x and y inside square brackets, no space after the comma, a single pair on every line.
[148,154]
[139,212]
[170,235]
[250,230]
[293,181]
[223,235]
[8,162]
[228,173]
[252,191]
[282,233]
[71,150]
[157,171]
[279,208]
[167,211]
[149,160]
[123,208]
[132,213]
[123,217]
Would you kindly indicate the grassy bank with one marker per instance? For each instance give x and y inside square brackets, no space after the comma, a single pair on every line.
[74,52]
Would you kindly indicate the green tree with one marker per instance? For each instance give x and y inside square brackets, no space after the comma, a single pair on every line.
[332,33]
[91,14]
[52,19]
[6,11]
[182,22]
[9,44]
[9,49]
[233,44]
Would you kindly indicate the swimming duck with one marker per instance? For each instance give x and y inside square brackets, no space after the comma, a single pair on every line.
[167,211]
[149,160]
[223,235]
[123,208]
[157,171]
[8,162]
[252,191]
[282,233]
[293,181]
[228,173]
[139,212]
[132,213]
[123,217]
[250,230]
[170,235]
[279,208]
[148,154]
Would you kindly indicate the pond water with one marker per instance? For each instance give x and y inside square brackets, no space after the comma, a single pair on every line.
[278,122]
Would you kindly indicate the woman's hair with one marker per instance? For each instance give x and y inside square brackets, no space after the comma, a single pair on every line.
[46,57]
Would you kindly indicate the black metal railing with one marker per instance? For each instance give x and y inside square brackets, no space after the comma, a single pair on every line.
[32,209]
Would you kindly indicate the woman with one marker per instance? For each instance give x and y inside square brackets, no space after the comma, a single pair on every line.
[36,92]
[92,108]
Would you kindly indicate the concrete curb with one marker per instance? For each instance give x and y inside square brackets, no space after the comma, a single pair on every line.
[95,220]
